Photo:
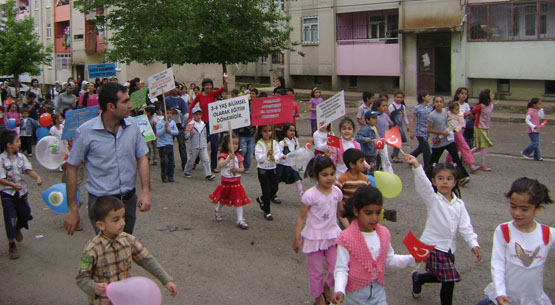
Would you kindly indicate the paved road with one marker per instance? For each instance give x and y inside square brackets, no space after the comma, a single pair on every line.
[217,263]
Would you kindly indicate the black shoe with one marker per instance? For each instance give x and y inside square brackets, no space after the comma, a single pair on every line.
[164,179]
[416,286]
[269,216]
[260,203]
[276,200]
[170,179]
[390,215]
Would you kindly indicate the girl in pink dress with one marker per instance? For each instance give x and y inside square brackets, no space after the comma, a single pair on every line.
[319,208]
[455,121]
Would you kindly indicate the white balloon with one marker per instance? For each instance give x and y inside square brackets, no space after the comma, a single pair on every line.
[50,152]
[299,158]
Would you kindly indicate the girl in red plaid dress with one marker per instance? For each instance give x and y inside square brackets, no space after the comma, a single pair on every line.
[230,192]
[447,214]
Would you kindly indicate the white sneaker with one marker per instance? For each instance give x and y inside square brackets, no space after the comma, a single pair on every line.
[525,157]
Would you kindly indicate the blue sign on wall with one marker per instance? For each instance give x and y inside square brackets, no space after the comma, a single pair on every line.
[103,70]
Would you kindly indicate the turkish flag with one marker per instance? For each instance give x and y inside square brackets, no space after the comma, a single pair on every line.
[419,250]
[393,137]
[333,141]
[543,123]
[189,127]
[379,143]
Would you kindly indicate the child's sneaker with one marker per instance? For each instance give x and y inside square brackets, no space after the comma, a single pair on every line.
[525,157]
[416,287]
[187,175]
[474,168]
[269,216]
[243,224]
[485,168]
[210,178]
[464,181]
[14,254]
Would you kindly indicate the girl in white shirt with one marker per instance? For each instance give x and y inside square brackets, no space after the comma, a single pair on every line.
[57,131]
[320,138]
[520,249]
[284,171]
[447,214]
[266,153]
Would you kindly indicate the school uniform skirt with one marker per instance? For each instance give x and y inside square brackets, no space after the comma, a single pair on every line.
[442,265]
[287,174]
[481,138]
[230,193]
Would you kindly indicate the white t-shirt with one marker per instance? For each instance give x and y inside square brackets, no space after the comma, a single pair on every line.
[320,140]
[341,168]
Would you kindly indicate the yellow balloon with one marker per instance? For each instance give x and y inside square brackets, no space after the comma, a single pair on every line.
[388,183]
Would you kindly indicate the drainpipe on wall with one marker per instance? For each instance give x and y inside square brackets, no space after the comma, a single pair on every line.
[400,39]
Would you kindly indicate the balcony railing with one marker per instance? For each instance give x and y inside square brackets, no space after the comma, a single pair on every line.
[60,45]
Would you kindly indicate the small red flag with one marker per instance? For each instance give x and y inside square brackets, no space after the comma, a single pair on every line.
[543,123]
[189,127]
[419,250]
[379,143]
[393,137]
[333,141]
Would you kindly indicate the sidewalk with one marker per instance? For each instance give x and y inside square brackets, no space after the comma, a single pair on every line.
[354,99]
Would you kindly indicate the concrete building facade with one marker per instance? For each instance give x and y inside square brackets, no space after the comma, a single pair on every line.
[433,45]
[76,43]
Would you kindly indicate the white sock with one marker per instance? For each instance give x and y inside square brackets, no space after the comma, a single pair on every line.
[219,208]
[239,211]
[299,186]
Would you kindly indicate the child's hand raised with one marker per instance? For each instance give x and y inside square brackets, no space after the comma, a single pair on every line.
[411,160]
[337,298]
[100,288]
[172,288]
[477,252]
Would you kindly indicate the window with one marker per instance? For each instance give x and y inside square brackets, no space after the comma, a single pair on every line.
[280,4]
[503,86]
[277,58]
[352,81]
[48,31]
[47,3]
[550,87]
[36,5]
[376,25]
[310,30]
[63,61]
[78,37]
[317,80]
[512,21]
[264,59]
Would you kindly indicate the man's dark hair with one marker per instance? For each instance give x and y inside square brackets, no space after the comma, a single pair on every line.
[108,93]
[104,205]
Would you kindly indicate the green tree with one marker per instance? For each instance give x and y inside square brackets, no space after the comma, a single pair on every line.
[191,31]
[19,44]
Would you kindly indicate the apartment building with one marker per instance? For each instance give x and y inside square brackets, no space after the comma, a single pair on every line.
[433,45]
[77,43]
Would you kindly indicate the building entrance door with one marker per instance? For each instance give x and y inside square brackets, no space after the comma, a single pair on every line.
[434,63]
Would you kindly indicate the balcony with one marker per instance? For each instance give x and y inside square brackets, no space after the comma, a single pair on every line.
[94,43]
[367,58]
[59,45]
[62,13]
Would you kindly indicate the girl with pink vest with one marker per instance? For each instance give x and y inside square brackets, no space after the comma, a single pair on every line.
[363,251]
[533,117]
[319,208]
[347,132]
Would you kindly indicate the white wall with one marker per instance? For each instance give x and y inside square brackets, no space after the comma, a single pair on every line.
[511,60]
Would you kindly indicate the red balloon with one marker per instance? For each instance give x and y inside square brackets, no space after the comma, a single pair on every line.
[45,120]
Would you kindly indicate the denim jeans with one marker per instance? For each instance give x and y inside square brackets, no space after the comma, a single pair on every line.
[424,149]
[167,163]
[485,301]
[247,150]
[534,146]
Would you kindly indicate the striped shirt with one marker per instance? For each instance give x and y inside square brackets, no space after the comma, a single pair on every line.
[422,112]
[348,185]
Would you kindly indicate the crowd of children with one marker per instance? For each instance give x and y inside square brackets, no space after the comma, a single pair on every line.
[339,218]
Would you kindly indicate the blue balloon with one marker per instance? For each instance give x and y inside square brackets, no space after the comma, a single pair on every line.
[11,123]
[372,180]
[55,198]
[42,132]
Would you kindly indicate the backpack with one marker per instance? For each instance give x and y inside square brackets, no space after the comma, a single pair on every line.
[507,235]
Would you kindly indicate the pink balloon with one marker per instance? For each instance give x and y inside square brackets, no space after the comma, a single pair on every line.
[135,290]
